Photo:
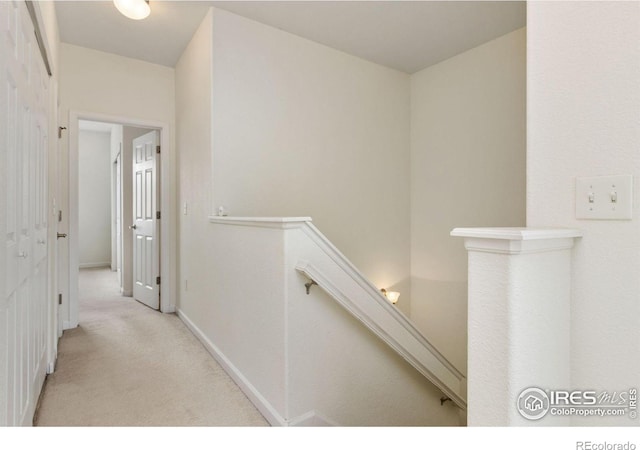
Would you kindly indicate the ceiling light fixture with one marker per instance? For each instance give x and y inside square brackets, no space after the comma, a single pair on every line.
[133,9]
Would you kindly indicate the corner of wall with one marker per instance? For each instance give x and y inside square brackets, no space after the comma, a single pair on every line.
[468,159]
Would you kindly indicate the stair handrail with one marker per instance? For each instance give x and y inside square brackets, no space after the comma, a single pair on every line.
[406,340]
[434,366]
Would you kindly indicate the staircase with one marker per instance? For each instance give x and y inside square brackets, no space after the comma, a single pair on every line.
[309,339]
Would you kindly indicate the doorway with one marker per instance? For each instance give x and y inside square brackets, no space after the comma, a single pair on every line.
[118,250]
[107,195]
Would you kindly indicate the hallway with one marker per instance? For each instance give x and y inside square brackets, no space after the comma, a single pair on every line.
[127,365]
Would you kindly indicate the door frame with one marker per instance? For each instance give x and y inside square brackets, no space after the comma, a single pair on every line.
[168,252]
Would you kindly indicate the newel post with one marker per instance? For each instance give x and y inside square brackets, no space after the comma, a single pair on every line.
[518,320]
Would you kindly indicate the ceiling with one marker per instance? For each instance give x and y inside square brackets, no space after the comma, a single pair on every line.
[405,35]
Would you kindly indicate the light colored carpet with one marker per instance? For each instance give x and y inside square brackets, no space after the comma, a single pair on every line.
[127,365]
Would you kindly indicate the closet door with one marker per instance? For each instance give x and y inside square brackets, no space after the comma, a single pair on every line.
[24,124]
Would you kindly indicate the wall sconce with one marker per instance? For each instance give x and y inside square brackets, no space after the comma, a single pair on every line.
[392,296]
[133,9]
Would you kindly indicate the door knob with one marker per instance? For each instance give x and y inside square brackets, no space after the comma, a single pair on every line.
[62,235]
[133,227]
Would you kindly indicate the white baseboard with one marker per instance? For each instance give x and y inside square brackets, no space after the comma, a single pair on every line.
[312,419]
[94,265]
[261,403]
[67,325]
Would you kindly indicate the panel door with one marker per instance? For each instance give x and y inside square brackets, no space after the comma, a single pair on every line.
[24,101]
[146,255]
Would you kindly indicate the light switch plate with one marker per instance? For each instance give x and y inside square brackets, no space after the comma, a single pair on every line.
[604,198]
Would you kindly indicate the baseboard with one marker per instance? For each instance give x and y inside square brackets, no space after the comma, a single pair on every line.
[265,408]
[68,325]
[312,419]
[462,417]
[51,367]
[94,265]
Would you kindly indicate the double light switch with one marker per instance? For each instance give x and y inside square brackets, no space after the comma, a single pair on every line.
[604,198]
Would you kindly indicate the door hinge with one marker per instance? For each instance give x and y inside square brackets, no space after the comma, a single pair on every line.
[59,299]
[157,280]
[157,149]
[158,214]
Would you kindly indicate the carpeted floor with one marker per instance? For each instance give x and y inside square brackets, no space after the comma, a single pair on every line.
[127,365]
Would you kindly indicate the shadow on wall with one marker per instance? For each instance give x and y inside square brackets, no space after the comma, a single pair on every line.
[439,311]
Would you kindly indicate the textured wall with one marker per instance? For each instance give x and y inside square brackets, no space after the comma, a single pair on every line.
[584,120]
[193,137]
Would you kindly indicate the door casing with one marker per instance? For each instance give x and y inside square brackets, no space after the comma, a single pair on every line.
[167,200]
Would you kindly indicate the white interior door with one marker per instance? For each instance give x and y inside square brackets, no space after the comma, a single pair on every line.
[146,248]
[24,101]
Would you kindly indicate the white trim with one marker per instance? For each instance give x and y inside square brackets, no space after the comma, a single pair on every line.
[346,265]
[517,234]
[168,250]
[374,311]
[261,403]
[516,241]
[394,329]
[517,247]
[94,265]
[312,419]
[281,223]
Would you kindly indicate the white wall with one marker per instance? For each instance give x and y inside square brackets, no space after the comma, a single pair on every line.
[96,82]
[302,359]
[300,129]
[583,120]
[357,158]
[193,137]
[312,131]
[467,170]
[95,198]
